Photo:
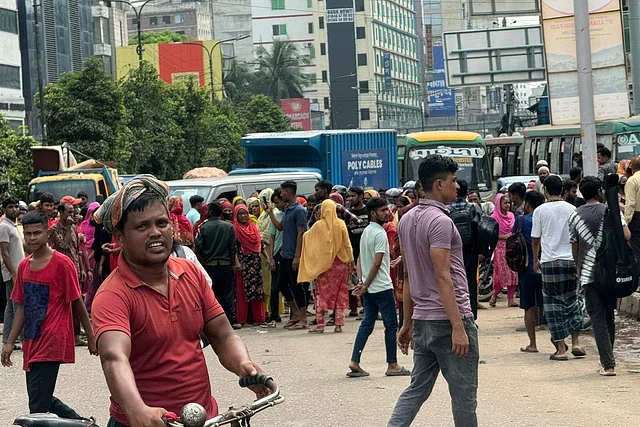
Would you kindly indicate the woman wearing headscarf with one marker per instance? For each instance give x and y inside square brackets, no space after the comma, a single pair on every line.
[181,224]
[263,227]
[503,276]
[254,209]
[238,200]
[249,287]
[227,210]
[369,194]
[327,257]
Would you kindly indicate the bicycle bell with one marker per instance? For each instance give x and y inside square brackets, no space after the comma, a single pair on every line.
[193,415]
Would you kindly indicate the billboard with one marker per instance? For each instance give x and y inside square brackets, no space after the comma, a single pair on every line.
[175,62]
[611,100]
[386,66]
[442,99]
[502,7]
[365,168]
[298,110]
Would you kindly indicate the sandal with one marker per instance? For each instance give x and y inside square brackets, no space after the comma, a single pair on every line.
[528,350]
[578,352]
[298,327]
[403,372]
[290,324]
[492,302]
[555,356]
[316,330]
[337,329]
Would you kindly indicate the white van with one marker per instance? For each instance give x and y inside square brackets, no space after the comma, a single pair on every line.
[229,187]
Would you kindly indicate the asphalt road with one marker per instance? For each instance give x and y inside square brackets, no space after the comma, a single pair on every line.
[515,389]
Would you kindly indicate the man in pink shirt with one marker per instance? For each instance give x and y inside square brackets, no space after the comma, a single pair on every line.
[442,328]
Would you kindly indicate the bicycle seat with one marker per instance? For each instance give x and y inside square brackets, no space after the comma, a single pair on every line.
[49,420]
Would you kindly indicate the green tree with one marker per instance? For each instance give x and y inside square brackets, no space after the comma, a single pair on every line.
[261,114]
[239,82]
[150,115]
[16,161]
[279,72]
[86,110]
[152,37]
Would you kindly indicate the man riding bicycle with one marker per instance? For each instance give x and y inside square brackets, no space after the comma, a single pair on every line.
[148,316]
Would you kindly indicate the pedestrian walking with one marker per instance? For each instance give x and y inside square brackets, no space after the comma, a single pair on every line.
[503,276]
[357,207]
[249,291]
[47,294]
[550,238]
[586,225]
[376,289]
[632,206]
[275,210]
[529,280]
[327,258]
[12,254]
[438,317]
[293,227]
[217,247]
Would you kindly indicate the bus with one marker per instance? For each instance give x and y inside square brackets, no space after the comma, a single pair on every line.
[505,153]
[467,148]
[402,148]
[557,144]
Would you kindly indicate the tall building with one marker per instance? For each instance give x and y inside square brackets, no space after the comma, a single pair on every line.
[291,20]
[200,20]
[11,99]
[109,32]
[66,33]
[369,63]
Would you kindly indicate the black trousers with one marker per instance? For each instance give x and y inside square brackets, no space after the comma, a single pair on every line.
[224,288]
[41,383]
[288,279]
[601,310]
[471,268]
[634,228]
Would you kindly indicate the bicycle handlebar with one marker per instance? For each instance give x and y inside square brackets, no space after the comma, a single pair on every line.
[194,415]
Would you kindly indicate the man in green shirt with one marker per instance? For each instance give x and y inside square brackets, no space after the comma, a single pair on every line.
[217,247]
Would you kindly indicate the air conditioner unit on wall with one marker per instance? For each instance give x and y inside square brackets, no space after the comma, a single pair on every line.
[308,45]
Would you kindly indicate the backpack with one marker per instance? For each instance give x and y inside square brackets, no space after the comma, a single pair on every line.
[616,273]
[517,253]
[488,231]
[462,219]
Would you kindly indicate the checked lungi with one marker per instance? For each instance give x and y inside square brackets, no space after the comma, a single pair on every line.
[560,296]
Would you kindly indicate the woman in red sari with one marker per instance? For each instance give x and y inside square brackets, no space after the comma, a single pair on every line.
[250,292]
[181,225]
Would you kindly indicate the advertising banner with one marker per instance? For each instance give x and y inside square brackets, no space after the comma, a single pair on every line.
[298,110]
[442,102]
[365,168]
[386,66]
[611,100]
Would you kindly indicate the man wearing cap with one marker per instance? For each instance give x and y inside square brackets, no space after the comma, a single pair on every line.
[541,176]
[63,237]
[149,313]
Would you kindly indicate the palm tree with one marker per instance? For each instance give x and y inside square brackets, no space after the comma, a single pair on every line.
[279,70]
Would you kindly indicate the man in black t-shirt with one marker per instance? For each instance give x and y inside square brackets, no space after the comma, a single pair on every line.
[355,199]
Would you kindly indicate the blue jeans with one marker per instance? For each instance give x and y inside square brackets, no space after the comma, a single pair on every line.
[384,303]
[432,354]
[9,311]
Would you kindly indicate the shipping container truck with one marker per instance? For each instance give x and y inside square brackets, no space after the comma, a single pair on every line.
[365,158]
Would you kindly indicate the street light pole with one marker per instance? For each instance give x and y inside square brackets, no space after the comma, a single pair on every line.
[210,55]
[138,13]
[43,127]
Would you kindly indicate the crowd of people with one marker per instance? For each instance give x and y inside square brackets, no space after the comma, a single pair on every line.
[409,257]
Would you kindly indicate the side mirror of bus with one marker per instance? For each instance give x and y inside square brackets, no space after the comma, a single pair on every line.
[497,167]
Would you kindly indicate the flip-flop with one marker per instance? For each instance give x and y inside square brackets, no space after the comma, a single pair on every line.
[357,374]
[555,356]
[404,372]
[337,331]
[290,324]
[528,350]
[298,327]
[316,331]
[578,352]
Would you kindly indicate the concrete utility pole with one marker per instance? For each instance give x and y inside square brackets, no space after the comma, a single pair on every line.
[634,35]
[585,86]
[36,22]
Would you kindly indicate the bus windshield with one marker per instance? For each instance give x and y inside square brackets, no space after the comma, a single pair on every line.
[472,162]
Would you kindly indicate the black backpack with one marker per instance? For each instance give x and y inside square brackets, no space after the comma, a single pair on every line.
[463,218]
[616,273]
[517,253]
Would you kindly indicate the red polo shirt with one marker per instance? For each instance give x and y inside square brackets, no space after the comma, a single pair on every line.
[166,358]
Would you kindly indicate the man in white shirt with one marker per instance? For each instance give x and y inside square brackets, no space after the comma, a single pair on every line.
[559,285]
[376,289]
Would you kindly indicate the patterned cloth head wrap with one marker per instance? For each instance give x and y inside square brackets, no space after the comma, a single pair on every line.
[111,211]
